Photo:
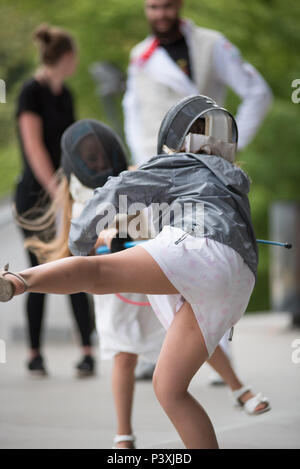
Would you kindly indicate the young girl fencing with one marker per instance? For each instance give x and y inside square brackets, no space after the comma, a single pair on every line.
[199,271]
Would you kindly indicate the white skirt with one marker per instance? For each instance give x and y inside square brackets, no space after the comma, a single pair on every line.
[209,275]
[123,327]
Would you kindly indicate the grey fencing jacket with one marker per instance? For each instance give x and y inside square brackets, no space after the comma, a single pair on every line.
[172,181]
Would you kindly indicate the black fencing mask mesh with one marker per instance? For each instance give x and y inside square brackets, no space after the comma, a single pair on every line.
[92,152]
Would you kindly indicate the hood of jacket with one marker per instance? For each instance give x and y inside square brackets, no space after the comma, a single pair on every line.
[229,174]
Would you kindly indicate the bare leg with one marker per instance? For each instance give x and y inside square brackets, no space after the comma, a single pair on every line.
[183,352]
[133,270]
[220,362]
[123,391]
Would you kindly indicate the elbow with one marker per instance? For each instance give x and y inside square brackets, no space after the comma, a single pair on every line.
[265,97]
[261,100]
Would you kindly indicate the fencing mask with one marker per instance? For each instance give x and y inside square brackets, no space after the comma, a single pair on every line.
[198,123]
[91,151]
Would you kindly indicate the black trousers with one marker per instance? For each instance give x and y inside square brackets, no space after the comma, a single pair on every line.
[35,303]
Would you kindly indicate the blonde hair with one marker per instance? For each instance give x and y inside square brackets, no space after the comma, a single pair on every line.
[46,246]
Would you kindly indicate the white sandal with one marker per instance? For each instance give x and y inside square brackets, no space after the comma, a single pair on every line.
[252,403]
[7,289]
[119,438]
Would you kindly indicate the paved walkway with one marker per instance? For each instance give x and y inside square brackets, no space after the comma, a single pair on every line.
[63,412]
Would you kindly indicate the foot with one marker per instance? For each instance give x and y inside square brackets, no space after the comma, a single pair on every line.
[7,289]
[11,284]
[124,442]
[253,404]
[125,445]
[36,366]
[86,367]
[249,395]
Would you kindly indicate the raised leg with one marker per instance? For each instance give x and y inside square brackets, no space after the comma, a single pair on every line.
[133,270]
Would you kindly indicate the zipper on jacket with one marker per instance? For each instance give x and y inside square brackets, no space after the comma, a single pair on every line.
[231,334]
[181,238]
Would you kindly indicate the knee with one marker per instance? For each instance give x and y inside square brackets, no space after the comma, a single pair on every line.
[126,360]
[167,390]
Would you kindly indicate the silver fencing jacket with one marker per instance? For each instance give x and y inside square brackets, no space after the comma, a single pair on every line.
[171,182]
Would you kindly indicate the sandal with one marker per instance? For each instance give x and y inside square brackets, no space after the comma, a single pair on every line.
[7,288]
[252,403]
[119,438]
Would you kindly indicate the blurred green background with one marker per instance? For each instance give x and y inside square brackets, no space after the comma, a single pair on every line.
[266,31]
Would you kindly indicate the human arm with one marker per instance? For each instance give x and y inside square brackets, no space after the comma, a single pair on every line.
[116,196]
[39,160]
[132,118]
[248,84]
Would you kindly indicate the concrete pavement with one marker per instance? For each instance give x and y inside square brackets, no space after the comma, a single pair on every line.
[63,412]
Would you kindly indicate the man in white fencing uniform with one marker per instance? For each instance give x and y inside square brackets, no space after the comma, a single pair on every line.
[180,59]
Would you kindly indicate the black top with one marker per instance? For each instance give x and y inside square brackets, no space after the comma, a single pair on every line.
[57,113]
[179,52]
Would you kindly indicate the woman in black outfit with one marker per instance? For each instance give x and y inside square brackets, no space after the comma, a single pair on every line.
[44,111]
